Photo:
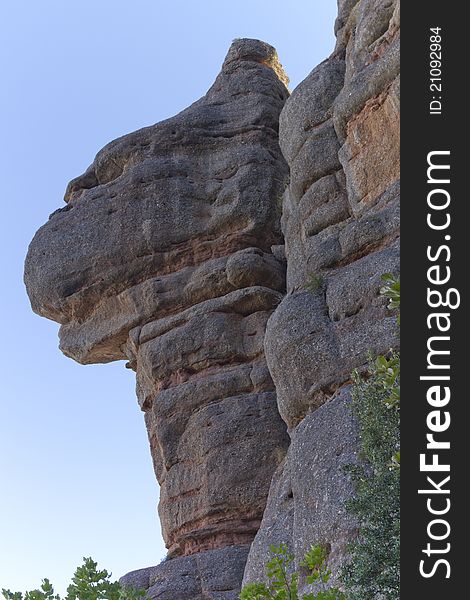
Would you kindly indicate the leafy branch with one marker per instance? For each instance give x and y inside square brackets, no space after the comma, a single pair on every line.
[284,583]
[88,583]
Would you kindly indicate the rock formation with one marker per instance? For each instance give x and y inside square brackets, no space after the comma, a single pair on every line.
[162,255]
[169,253]
[339,132]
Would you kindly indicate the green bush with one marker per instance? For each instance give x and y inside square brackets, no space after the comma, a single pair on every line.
[87,584]
[374,570]
[283,583]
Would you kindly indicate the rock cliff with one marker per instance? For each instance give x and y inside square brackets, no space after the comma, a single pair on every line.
[339,133]
[243,324]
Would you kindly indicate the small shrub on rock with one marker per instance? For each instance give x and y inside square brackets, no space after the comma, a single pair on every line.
[283,582]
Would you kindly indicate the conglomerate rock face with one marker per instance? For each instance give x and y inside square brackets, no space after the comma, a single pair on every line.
[163,256]
[309,492]
[211,575]
[170,254]
[339,132]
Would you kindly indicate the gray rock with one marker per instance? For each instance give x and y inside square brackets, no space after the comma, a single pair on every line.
[340,212]
[309,106]
[306,504]
[317,337]
[317,158]
[356,286]
[372,22]
[371,229]
[213,575]
[341,226]
[325,203]
[213,465]
[303,354]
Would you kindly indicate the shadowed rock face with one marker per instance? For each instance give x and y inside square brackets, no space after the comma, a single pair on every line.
[339,133]
[162,256]
[307,500]
[212,575]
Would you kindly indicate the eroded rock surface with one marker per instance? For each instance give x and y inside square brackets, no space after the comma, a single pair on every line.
[310,489]
[213,575]
[169,253]
[339,132]
[162,256]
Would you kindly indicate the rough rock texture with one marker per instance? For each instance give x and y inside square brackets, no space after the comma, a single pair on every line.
[212,575]
[169,253]
[162,255]
[339,132]
[309,490]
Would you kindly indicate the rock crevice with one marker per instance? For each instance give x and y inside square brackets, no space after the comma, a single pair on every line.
[339,133]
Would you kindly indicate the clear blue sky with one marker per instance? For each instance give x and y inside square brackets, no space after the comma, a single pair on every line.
[75,471]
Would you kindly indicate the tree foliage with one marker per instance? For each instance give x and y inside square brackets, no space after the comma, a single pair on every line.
[284,581]
[374,570]
[88,583]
